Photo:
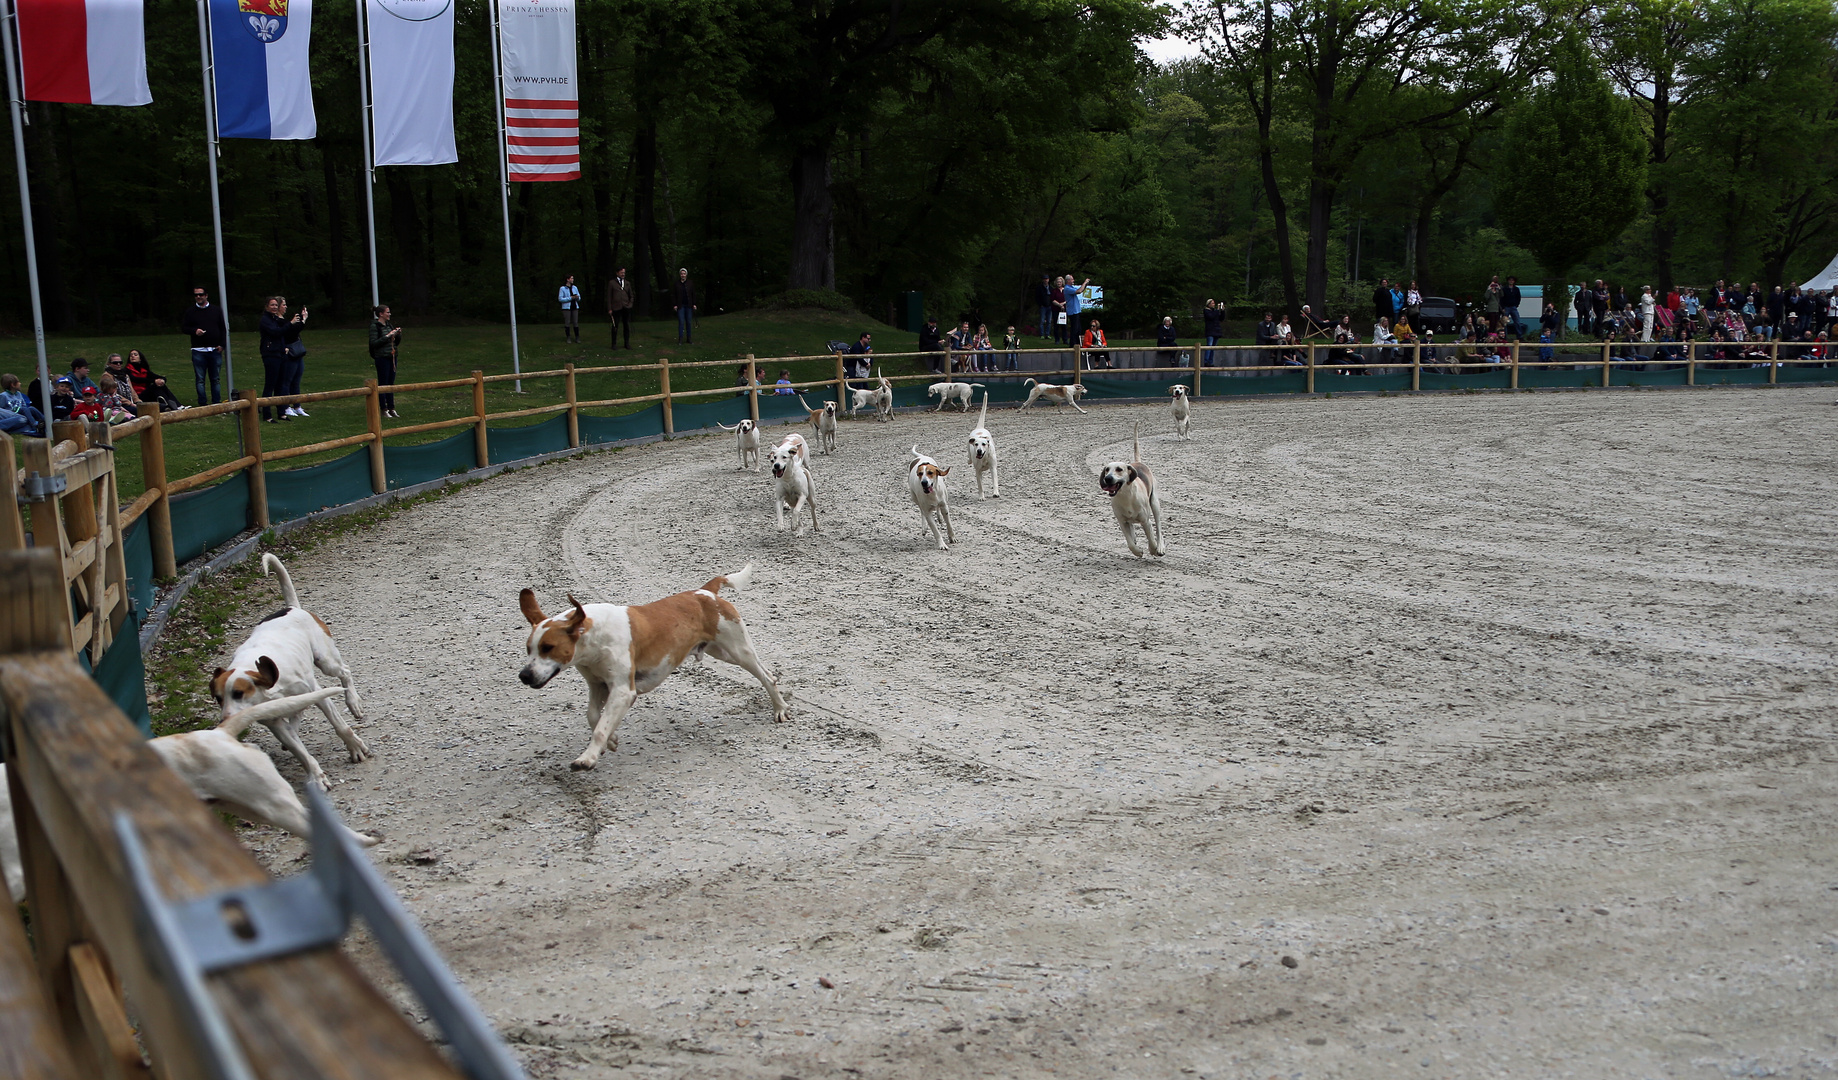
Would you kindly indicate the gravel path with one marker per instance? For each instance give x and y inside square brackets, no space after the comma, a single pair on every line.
[1455,736]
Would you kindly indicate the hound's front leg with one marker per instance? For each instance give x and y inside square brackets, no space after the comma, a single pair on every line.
[944,511]
[1157,546]
[995,476]
[1129,537]
[606,706]
[1074,404]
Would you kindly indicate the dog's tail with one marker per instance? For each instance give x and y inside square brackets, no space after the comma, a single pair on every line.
[240,722]
[983,420]
[737,580]
[724,427]
[976,386]
[272,564]
[1029,382]
[1136,443]
[804,403]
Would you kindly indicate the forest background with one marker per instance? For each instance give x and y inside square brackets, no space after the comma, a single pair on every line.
[843,152]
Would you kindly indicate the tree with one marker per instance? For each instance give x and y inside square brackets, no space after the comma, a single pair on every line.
[1584,176]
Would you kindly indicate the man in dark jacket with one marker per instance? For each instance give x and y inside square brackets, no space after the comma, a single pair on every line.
[619,301]
[204,331]
[1509,306]
[930,341]
[1602,306]
[1381,301]
[385,336]
[685,306]
[1043,297]
[1266,330]
[1585,308]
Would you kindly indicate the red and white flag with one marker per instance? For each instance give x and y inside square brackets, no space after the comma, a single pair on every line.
[542,105]
[92,52]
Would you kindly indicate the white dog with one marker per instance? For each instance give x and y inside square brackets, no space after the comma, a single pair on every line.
[1183,408]
[278,661]
[1054,394]
[1134,500]
[961,392]
[983,453]
[218,768]
[795,491]
[878,397]
[746,440]
[623,651]
[824,422]
[926,481]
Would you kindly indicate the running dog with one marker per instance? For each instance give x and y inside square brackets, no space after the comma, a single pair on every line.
[961,392]
[623,651]
[795,491]
[218,768]
[824,421]
[746,440]
[277,661]
[1134,500]
[878,397]
[983,453]
[1054,394]
[1183,409]
[926,481]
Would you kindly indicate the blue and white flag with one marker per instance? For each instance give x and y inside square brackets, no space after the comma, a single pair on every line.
[264,87]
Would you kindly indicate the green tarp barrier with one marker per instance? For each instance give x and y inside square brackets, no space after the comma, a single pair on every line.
[137,552]
[1732,376]
[294,493]
[1327,382]
[1661,377]
[122,675]
[705,412]
[1215,383]
[1543,378]
[1130,388]
[203,519]
[516,443]
[1789,373]
[600,429]
[407,466]
[1474,380]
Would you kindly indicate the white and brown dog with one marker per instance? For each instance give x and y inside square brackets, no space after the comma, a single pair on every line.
[1054,394]
[746,442]
[1133,499]
[793,489]
[961,392]
[219,769]
[623,651]
[983,454]
[823,423]
[926,481]
[878,397]
[278,661]
[1183,409]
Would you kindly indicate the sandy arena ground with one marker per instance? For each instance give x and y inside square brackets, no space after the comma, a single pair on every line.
[1455,737]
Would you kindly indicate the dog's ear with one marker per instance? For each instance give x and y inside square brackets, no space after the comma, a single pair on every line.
[942,472]
[578,622]
[217,681]
[266,673]
[527,601]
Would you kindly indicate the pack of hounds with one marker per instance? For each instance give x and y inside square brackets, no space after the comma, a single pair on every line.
[621,651]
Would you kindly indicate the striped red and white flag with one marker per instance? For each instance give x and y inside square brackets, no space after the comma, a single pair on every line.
[91,52]
[542,108]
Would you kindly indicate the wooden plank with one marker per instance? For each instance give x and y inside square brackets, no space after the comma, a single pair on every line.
[416,429]
[316,448]
[81,557]
[34,604]
[12,526]
[31,1045]
[197,480]
[557,373]
[132,512]
[481,449]
[309,1015]
[574,408]
[252,446]
[373,420]
[111,1037]
[321,395]
[85,468]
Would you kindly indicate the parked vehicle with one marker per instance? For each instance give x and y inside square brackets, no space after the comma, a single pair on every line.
[1441,314]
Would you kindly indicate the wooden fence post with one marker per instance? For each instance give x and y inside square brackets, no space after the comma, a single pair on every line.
[153,474]
[1078,362]
[1606,365]
[252,445]
[12,526]
[1311,367]
[1691,363]
[574,407]
[1416,366]
[842,383]
[373,415]
[481,452]
[1513,380]
[663,387]
[1774,362]
[111,566]
[753,391]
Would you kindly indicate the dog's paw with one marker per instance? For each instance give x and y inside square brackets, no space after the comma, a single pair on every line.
[359,750]
[581,764]
[320,781]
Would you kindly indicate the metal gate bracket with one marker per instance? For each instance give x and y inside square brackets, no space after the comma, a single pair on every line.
[189,939]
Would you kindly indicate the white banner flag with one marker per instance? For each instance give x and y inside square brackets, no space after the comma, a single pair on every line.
[411,81]
[542,114]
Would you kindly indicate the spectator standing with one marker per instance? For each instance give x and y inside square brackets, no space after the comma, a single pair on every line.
[1043,299]
[570,298]
[685,306]
[931,342]
[1011,345]
[1584,303]
[1058,296]
[149,385]
[1492,301]
[1647,306]
[860,356]
[1603,307]
[1510,299]
[1550,322]
[385,336]
[279,335]
[619,301]
[1382,307]
[204,330]
[1075,306]
[1213,316]
[1164,340]
[1413,304]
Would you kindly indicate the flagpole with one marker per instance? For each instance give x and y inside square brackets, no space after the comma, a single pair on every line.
[17,106]
[370,169]
[504,193]
[210,158]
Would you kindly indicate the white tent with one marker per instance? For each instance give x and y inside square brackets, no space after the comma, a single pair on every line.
[1824,279]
